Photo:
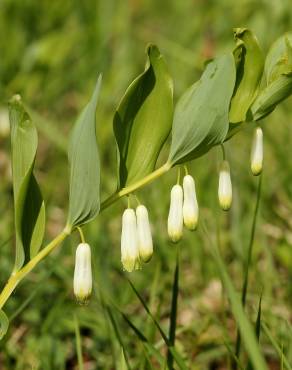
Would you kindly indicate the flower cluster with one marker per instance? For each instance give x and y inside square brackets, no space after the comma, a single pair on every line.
[136,240]
[183,209]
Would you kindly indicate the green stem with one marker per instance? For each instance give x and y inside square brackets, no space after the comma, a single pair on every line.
[247,265]
[17,276]
[178,175]
[137,185]
[81,234]
[223,152]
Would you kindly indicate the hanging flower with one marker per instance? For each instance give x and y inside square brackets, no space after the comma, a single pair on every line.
[175,216]
[225,186]
[257,152]
[190,204]
[145,244]
[82,273]
[129,241]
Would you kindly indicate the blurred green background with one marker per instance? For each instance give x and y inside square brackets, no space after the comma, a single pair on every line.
[51,53]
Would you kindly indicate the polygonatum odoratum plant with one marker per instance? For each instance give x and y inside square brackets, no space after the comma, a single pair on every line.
[236,89]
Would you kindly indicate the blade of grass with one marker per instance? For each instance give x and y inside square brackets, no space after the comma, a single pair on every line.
[117,333]
[147,360]
[163,335]
[282,359]
[257,329]
[245,327]
[276,346]
[78,344]
[247,265]
[177,357]
[24,304]
[148,346]
[173,313]
[30,297]
[258,322]
[122,363]
[145,342]
[152,298]
[232,355]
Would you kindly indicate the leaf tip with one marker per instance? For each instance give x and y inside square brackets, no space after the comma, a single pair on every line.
[152,50]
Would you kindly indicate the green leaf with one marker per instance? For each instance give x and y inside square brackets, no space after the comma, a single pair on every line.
[278,69]
[143,120]
[84,198]
[201,114]
[28,202]
[250,65]
[279,58]
[271,96]
[4,323]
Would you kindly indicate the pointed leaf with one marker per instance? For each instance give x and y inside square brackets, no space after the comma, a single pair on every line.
[143,120]
[278,68]
[28,202]
[250,65]
[279,58]
[84,199]
[201,114]
[271,96]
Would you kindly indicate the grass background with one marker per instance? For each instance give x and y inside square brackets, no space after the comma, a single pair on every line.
[51,53]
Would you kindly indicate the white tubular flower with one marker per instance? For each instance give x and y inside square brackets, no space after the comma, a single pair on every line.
[190,204]
[129,241]
[257,152]
[225,186]
[145,244]
[82,273]
[175,216]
